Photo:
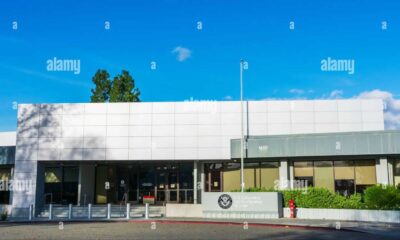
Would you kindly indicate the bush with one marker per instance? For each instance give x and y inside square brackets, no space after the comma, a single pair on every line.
[354,201]
[3,216]
[382,197]
[320,198]
[375,197]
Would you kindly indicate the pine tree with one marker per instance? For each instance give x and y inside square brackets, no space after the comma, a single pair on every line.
[101,92]
[123,89]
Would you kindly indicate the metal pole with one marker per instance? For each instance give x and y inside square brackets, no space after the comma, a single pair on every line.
[194,183]
[128,210]
[89,211]
[70,211]
[241,125]
[146,213]
[50,211]
[30,212]
[109,211]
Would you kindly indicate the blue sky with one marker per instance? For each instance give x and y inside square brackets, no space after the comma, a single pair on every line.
[283,63]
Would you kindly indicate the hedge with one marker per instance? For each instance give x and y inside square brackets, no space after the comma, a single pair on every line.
[385,198]
[375,197]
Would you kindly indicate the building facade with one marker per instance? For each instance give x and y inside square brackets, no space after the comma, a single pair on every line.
[173,151]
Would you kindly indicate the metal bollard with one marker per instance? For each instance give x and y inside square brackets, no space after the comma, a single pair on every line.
[70,211]
[108,211]
[128,210]
[146,213]
[30,212]
[89,211]
[51,211]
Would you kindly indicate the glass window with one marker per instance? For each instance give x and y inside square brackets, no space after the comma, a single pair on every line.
[147,178]
[71,174]
[61,185]
[5,174]
[215,181]
[101,179]
[397,167]
[365,172]
[70,185]
[304,181]
[7,154]
[303,169]
[396,172]
[345,187]
[186,183]
[213,177]
[344,177]
[53,185]
[5,177]
[304,173]
[269,174]
[53,175]
[344,170]
[323,175]
[252,174]
[186,176]
[231,177]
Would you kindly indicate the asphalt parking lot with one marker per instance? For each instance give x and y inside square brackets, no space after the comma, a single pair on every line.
[157,231]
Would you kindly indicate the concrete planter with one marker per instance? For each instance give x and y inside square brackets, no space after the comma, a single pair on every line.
[346,214]
[184,210]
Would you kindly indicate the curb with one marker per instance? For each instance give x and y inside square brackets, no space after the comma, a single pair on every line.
[172,221]
[254,224]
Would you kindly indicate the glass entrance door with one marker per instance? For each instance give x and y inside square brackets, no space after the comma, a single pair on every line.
[147,177]
[161,186]
[167,184]
[132,183]
[173,186]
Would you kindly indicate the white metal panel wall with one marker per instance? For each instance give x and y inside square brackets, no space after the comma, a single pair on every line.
[7,138]
[168,130]
[177,130]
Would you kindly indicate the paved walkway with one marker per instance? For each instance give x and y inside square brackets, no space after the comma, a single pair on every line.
[172,229]
[383,229]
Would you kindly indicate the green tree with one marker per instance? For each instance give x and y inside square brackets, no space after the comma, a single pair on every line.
[123,89]
[101,92]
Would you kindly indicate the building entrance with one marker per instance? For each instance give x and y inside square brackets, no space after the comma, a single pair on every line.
[133,182]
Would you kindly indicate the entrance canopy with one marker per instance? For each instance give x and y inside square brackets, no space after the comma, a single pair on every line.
[315,145]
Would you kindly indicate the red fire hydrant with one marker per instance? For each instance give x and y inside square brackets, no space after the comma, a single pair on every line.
[292,208]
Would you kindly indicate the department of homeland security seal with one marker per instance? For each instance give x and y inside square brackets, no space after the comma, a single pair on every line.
[225,201]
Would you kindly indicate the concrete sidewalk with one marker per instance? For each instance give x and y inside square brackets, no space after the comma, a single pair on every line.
[383,229]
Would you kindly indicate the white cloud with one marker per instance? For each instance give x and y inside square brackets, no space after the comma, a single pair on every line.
[335,94]
[182,53]
[392,106]
[391,103]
